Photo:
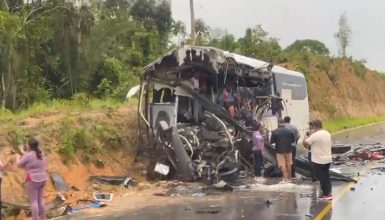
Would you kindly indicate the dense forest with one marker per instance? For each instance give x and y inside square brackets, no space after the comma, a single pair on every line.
[60,49]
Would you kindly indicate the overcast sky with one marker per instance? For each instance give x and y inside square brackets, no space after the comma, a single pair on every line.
[298,19]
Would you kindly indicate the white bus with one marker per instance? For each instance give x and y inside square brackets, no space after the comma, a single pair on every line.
[195,103]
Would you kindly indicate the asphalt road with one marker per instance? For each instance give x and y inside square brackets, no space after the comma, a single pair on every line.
[362,200]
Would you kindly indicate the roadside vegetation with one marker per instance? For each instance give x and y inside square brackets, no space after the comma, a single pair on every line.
[74,130]
[41,109]
[339,124]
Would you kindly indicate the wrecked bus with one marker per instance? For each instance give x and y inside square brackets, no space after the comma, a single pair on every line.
[196,106]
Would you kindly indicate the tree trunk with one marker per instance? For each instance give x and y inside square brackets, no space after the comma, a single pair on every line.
[9,88]
[3,88]
[70,75]
[192,21]
[4,5]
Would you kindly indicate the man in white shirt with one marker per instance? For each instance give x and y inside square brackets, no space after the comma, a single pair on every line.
[320,143]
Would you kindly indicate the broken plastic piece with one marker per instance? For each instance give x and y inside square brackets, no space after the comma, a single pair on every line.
[162,169]
[58,182]
[199,194]
[103,196]
[112,180]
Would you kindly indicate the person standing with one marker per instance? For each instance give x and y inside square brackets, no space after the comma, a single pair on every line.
[34,163]
[283,138]
[293,129]
[320,142]
[258,147]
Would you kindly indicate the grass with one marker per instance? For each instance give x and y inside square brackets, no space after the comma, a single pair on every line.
[339,124]
[63,106]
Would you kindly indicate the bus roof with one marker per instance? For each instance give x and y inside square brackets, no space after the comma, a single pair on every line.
[256,64]
[220,56]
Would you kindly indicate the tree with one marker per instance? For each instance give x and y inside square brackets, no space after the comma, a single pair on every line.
[4,5]
[17,44]
[55,48]
[257,44]
[218,33]
[311,46]
[179,30]
[227,43]
[73,24]
[343,35]
[202,32]
[154,15]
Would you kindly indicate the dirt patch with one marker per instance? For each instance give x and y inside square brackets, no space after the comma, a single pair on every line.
[113,130]
[337,90]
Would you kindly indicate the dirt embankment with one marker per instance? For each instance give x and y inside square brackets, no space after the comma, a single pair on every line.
[341,87]
[76,145]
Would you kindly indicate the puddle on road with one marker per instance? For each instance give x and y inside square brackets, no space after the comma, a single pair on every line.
[286,187]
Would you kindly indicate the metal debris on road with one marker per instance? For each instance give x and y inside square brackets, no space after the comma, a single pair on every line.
[198,194]
[103,196]
[113,180]
[58,182]
[305,195]
[268,203]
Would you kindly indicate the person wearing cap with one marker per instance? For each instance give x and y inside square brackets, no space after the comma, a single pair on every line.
[258,147]
[283,138]
[33,162]
[320,142]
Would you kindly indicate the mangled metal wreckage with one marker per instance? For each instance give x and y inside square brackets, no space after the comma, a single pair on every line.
[196,108]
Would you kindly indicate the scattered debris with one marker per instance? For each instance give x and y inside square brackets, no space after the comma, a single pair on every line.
[74,188]
[208,211]
[242,188]
[305,195]
[128,182]
[268,203]
[83,204]
[352,189]
[162,169]
[198,194]
[58,182]
[113,180]
[103,196]
[381,169]
[340,148]
[222,185]
[309,215]
[161,194]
